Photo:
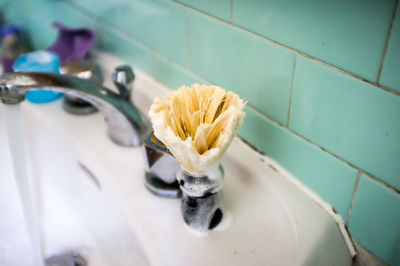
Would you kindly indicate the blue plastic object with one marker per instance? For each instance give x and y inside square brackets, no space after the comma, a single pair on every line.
[39,61]
[9,30]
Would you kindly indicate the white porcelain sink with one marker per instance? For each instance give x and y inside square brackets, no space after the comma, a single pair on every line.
[79,214]
[93,201]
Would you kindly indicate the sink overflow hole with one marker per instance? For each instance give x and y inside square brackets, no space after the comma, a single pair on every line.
[66,260]
[90,174]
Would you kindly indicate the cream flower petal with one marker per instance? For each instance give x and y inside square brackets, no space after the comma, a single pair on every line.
[197,124]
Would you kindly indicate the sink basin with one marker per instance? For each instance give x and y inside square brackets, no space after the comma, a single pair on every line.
[93,201]
[78,212]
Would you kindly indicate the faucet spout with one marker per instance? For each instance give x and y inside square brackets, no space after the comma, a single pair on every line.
[126,125]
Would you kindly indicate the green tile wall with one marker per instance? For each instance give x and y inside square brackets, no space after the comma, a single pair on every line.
[333,179]
[353,119]
[390,73]
[158,24]
[323,95]
[375,219]
[348,34]
[246,64]
[220,8]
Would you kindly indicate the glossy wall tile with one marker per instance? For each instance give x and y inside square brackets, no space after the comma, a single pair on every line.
[332,179]
[220,8]
[256,69]
[375,220]
[353,119]
[350,35]
[158,24]
[390,73]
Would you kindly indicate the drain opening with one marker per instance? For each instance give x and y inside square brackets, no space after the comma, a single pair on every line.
[216,219]
[66,260]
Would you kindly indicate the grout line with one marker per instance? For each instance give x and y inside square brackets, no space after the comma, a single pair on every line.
[231,15]
[199,11]
[265,115]
[381,182]
[323,149]
[387,42]
[162,56]
[354,196]
[291,91]
[292,50]
[386,89]
[187,44]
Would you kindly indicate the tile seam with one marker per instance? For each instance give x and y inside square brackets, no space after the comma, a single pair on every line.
[187,44]
[387,42]
[380,182]
[353,198]
[323,149]
[291,90]
[292,50]
[231,13]
[201,11]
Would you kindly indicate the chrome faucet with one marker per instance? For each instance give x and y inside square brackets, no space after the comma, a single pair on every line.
[126,125]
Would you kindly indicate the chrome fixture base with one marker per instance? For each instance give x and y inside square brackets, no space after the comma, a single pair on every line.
[84,69]
[160,165]
[158,187]
[77,107]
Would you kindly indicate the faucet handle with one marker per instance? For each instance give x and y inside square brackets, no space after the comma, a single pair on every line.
[123,78]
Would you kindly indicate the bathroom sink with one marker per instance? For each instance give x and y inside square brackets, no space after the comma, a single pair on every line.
[93,201]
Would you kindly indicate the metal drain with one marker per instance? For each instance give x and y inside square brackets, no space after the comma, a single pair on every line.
[67,259]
